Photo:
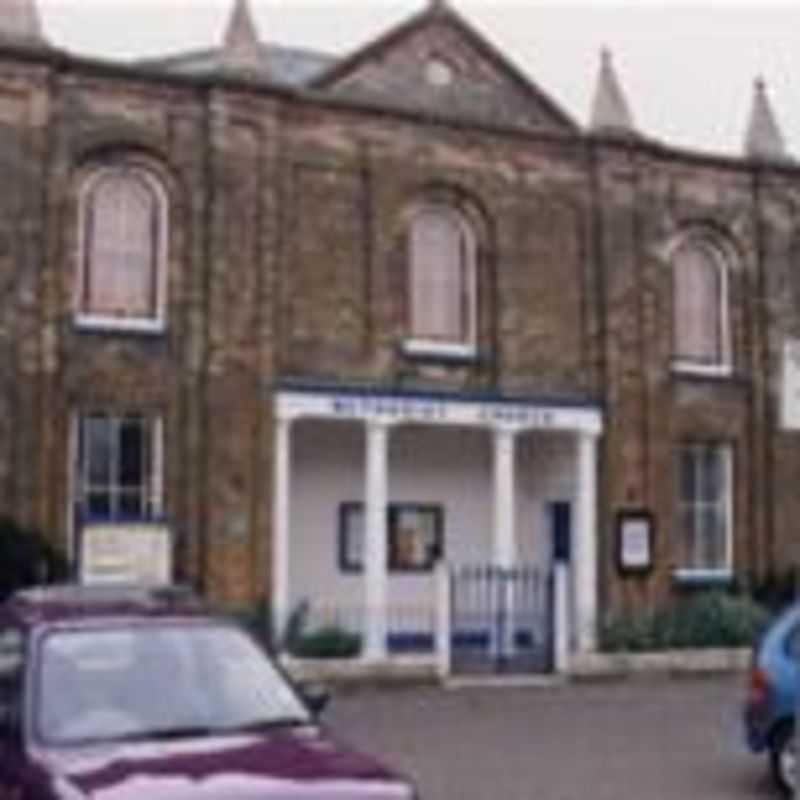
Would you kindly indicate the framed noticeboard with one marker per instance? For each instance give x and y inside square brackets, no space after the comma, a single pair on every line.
[635,535]
[138,552]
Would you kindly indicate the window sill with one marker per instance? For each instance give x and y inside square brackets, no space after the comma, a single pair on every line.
[703,577]
[691,370]
[439,351]
[151,327]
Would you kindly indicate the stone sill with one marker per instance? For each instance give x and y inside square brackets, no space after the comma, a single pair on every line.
[673,662]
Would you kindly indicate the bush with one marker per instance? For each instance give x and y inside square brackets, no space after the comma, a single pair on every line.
[27,558]
[327,642]
[709,619]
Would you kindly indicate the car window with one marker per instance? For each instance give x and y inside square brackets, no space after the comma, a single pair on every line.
[103,684]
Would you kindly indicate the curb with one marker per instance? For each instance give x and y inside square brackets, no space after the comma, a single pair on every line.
[671,663]
[589,668]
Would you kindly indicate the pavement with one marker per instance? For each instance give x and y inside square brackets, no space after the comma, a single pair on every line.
[648,739]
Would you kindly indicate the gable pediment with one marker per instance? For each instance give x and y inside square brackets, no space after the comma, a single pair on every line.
[439,65]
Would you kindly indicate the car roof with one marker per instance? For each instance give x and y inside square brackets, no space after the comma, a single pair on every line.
[74,603]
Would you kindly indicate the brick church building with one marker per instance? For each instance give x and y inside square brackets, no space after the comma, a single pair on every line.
[336,319]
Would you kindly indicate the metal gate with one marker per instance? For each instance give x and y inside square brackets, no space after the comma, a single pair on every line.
[501,619]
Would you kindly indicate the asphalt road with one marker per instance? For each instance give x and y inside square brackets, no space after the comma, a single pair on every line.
[649,740]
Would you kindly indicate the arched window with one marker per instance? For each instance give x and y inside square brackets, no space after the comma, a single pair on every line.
[123,229]
[700,306]
[442,293]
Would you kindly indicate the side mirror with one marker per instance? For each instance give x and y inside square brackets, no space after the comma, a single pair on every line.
[315,696]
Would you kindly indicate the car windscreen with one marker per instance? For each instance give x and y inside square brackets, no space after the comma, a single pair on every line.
[143,681]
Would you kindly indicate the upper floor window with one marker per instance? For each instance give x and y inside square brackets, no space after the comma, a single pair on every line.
[123,219]
[700,308]
[442,277]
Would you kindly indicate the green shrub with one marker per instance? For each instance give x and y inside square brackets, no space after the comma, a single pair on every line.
[708,619]
[628,633]
[27,558]
[327,642]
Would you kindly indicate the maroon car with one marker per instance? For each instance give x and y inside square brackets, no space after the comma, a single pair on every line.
[136,694]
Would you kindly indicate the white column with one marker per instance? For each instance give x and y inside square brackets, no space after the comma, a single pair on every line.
[561,617]
[585,551]
[504,534]
[504,544]
[280,525]
[376,540]
[444,623]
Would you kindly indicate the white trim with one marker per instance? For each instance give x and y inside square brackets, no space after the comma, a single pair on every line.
[517,416]
[690,574]
[686,367]
[156,324]
[426,347]
[95,322]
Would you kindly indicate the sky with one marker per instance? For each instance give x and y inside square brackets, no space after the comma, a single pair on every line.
[687,68]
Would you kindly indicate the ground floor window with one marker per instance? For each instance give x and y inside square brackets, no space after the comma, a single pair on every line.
[705,477]
[416,537]
[119,467]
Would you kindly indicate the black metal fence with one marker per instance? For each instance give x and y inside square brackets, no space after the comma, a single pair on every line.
[501,619]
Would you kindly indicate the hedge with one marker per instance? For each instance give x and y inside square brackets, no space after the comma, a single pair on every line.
[709,619]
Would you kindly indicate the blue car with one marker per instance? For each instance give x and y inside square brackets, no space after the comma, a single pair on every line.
[772,696]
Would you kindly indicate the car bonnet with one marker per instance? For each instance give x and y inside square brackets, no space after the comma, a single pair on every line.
[292,764]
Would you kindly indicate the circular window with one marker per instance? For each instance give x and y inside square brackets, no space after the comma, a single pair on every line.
[439,73]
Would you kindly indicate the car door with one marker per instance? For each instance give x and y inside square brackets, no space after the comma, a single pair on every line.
[12,760]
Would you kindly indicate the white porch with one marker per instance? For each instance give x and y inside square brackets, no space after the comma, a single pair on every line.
[493,468]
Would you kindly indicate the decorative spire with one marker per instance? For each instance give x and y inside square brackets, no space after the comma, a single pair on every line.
[610,111]
[241,46]
[763,139]
[19,20]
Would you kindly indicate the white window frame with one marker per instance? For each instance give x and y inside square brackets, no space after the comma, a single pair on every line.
[88,320]
[723,367]
[420,346]
[76,477]
[725,571]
